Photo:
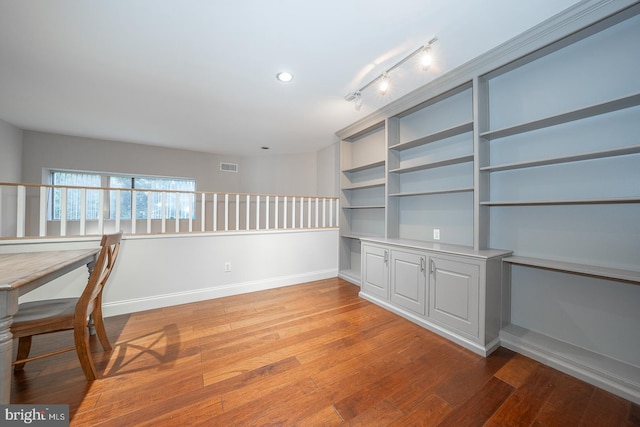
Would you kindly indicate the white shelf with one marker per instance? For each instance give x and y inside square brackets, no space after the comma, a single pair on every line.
[430,165]
[564,159]
[437,136]
[379,182]
[359,236]
[364,167]
[434,192]
[582,113]
[364,207]
[602,201]
[574,268]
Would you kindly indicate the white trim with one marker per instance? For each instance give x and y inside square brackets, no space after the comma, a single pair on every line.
[166,300]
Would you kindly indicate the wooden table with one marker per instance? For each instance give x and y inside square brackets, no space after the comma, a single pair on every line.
[19,274]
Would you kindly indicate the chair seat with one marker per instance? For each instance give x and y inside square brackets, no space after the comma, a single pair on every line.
[40,317]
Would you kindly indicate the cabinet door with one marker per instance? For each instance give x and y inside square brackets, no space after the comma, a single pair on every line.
[375,271]
[409,280]
[454,294]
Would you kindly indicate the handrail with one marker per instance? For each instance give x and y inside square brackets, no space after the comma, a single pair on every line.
[213,211]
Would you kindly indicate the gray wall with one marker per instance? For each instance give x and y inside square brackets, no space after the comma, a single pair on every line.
[328,167]
[10,171]
[10,152]
[294,174]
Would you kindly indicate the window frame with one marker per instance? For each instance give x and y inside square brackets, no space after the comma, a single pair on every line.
[105,182]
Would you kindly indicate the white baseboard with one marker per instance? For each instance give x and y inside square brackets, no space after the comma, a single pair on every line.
[158,301]
[617,377]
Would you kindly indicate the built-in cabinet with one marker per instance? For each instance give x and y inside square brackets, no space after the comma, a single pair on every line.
[445,288]
[531,148]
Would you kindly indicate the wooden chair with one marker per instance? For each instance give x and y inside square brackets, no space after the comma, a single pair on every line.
[48,316]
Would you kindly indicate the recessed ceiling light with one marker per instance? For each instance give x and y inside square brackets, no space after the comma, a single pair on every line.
[265,148]
[284,76]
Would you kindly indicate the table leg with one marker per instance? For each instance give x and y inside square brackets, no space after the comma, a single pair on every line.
[8,307]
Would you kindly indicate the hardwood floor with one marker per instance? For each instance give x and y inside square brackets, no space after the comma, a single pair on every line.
[313,354]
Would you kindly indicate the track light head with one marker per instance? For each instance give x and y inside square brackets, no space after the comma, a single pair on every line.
[426,59]
[384,83]
[351,96]
[357,103]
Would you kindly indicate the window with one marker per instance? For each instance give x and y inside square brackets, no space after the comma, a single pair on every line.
[180,204]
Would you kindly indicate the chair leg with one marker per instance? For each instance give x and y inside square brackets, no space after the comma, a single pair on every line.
[24,347]
[81,337]
[101,331]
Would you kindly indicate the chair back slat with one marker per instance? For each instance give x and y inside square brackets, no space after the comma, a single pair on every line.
[104,264]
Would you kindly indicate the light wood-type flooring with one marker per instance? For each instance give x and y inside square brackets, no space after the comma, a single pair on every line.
[313,354]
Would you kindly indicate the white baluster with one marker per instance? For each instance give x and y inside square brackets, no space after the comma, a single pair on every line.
[293,212]
[203,211]
[63,211]
[43,211]
[100,211]
[163,211]
[275,214]
[21,211]
[149,211]
[226,212]
[118,209]
[301,212]
[215,212]
[237,212]
[248,212]
[266,218]
[134,211]
[257,212]
[83,211]
[284,213]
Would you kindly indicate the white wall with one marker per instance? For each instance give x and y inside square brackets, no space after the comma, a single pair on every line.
[10,171]
[158,271]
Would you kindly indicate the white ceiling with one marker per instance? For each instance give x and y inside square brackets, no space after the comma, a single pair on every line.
[200,74]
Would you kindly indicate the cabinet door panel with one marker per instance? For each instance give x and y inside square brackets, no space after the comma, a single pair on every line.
[454,289]
[375,271]
[408,280]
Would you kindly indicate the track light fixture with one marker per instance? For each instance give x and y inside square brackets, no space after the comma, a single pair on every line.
[384,78]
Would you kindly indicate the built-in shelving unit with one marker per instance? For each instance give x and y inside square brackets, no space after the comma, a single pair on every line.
[533,149]
[560,164]
[362,185]
[430,162]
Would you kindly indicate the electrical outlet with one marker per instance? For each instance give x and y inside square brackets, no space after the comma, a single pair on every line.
[227,266]
[436,234]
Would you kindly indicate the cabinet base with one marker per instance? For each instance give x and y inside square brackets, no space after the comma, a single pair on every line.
[482,350]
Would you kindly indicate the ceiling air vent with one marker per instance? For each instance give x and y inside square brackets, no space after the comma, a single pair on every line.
[229,167]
